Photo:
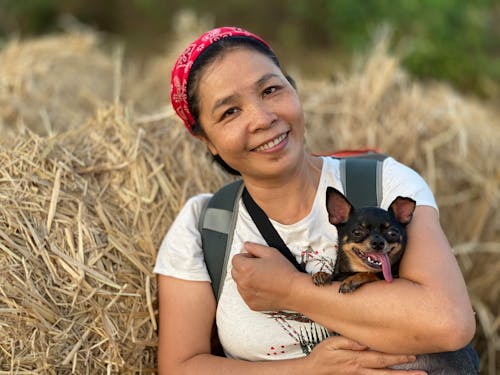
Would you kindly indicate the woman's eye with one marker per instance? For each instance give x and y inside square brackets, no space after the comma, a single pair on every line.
[229,112]
[270,90]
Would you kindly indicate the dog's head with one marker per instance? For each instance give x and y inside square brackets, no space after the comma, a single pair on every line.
[372,238]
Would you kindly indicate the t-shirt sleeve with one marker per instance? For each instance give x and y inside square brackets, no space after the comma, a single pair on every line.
[180,254]
[400,180]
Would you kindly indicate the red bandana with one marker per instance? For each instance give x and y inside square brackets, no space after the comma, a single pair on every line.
[182,67]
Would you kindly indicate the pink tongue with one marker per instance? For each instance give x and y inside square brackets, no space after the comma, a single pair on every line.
[386,265]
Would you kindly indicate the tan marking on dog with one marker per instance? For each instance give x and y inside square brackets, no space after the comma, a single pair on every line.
[394,249]
[353,282]
[355,263]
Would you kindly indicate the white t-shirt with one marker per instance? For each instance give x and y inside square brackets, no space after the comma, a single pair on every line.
[252,335]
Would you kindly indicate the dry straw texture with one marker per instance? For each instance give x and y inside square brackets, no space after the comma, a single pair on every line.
[94,167]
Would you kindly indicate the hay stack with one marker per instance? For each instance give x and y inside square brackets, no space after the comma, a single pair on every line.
[54,83]
[83,210]
[81,217]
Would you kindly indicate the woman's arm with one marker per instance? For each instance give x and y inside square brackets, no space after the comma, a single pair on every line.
[426,310]
[186,315]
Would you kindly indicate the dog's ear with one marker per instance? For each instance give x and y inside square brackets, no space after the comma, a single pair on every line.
[338,206]
[402,208]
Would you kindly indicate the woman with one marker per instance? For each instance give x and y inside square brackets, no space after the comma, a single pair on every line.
[230,91]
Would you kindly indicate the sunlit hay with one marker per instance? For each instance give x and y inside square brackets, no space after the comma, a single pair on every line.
[148,83]
[54,82]
[82,216]
[84,206]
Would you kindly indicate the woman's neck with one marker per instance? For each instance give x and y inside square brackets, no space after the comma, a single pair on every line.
[289,198]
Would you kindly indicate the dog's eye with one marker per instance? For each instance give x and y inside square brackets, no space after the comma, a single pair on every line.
[392,233]
[358,232]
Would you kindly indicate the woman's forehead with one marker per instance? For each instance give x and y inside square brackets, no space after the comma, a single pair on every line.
[235,70]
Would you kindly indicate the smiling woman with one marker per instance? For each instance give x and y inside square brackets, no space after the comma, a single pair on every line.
[190,110]
[254,123]
[232,94]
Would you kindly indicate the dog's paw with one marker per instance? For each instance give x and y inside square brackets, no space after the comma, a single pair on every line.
[322,278]
[356,281]
[348,287]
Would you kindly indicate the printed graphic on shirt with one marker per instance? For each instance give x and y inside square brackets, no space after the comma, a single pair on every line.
[319,260]
[310,334]
[307,336]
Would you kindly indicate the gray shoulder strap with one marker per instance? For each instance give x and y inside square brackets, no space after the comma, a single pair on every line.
[362,179]
[217,222]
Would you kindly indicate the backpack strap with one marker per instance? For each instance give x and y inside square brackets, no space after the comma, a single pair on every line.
[361,177]
[217,222]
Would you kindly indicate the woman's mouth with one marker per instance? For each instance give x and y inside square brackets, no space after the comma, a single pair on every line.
[273,143]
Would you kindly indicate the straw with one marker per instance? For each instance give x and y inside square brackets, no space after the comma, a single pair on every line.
[94,167]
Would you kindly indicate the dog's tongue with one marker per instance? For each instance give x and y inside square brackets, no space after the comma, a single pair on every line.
[386,265]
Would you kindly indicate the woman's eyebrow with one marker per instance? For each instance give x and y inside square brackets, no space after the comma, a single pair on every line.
[265,78]
[230,98]
[222,101]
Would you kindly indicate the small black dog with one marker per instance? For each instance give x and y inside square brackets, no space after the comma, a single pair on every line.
[370,246]
[371,241]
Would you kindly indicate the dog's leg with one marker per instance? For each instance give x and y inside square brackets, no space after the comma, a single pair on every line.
[322,278]
[353,282]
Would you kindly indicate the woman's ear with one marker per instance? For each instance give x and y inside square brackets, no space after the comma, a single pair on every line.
[211,148]
[207,142]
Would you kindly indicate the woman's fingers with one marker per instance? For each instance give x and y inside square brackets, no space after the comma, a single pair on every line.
[258,250]
[342,343]
[350,357]
[366,358]
[377,360]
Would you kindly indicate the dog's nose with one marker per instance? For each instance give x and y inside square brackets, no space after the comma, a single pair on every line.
[377,243]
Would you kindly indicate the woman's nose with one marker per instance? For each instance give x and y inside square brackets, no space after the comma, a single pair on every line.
[262,116]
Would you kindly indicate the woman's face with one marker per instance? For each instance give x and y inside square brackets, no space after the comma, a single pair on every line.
[251,115]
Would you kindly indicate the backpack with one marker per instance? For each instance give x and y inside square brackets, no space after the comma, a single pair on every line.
[361,176]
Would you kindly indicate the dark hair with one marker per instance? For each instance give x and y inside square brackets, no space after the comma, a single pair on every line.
[212,52]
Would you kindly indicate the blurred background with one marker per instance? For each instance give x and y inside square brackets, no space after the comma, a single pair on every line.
[457,41]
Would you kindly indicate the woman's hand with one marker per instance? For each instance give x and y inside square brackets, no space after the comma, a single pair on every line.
[263,277]
[340,355]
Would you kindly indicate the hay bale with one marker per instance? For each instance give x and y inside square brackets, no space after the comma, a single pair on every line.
[83,208]
[54,83]
[81,218]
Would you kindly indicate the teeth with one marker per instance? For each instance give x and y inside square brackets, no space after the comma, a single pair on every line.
[272,143]
[374,261]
